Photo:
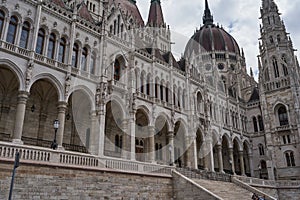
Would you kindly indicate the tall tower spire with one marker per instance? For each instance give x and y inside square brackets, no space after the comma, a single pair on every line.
[156,17]
[207,17]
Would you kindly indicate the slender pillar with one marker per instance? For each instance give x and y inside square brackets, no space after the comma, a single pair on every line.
[132,136]
[241,155]
[220,158]
[151,144]
[210,156]
[20,115]
[188,151]
[195,154]
[251,164]
[231,160]
[101,130]
[125,140]
[62,107]
[171,146]
[93,137]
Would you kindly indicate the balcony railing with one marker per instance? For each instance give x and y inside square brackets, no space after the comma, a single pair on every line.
[47,156]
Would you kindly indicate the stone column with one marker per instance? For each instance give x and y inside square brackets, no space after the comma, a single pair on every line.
[20,115]
[188,151]
[241,155]
[125,140]
[210,156]
[93,137]
[171,144]
[101,133]
[151,144]
[195,154]
[231,160]
[132,136]
[251,164]
[62,107]
[220,158]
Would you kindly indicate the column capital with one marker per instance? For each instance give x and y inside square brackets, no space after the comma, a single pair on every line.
[170,134]
[23,97]
[62,106]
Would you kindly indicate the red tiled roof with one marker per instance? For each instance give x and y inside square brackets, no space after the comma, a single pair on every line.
[156,17]
[59,2]
[84,13]
[212,37]
[131,8]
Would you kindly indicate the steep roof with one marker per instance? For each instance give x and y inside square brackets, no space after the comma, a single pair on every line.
[84,13]
[129,7]
[156,17]
[254,95]
[59,3]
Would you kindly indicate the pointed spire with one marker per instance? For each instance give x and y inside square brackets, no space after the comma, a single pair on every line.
[251,72]
[156,17]
[259,63]
[207,17]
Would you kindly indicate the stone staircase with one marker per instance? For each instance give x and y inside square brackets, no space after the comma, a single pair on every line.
[224,186]
[225,190]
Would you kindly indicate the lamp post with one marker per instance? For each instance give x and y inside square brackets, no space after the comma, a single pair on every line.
[56,126]
[259,167]
[170,150]
[230,162]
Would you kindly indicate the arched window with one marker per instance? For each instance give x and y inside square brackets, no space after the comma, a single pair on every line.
[255,124]
[12,30]
[161,92]
[261,150]
[275,65]
[167,94]
[156,90]
[283,116]
[260,123]
[267,76]
[284,66]
[118,143]
[117,72]
[199,103]
[51,46]
[2,16]
[40,42]
[75,55]
[92,64]
[62,50]
[84,55]
[290,159]
[148,86]
[24,35]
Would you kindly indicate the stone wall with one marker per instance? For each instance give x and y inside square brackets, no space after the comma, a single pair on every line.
[186,190]
[291,194]
[44,182]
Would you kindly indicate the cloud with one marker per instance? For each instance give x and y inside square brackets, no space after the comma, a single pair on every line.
[239,17]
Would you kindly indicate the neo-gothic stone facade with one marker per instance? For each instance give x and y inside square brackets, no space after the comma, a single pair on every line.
[117,90]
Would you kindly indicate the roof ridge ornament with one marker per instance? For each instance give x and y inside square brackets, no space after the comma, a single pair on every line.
[207,17]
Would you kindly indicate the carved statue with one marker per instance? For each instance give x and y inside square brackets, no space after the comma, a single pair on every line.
[29,73]
[67,84]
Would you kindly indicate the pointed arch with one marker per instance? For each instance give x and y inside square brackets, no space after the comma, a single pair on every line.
[57,84]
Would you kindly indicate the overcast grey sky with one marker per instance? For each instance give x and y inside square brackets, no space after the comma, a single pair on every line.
[239,17]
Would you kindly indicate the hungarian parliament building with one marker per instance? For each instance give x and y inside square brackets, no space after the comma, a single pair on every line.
[91,79]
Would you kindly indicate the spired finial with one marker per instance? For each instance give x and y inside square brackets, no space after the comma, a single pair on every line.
[207,17]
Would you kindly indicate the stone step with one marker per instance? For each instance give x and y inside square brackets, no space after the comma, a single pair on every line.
[225,190]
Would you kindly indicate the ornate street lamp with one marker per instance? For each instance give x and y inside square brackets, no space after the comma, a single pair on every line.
[56,126]
[170,150]
[260,176]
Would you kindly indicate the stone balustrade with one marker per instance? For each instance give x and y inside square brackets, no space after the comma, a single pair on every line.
[32,154]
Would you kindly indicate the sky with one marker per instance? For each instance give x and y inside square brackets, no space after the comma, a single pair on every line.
[238,17]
